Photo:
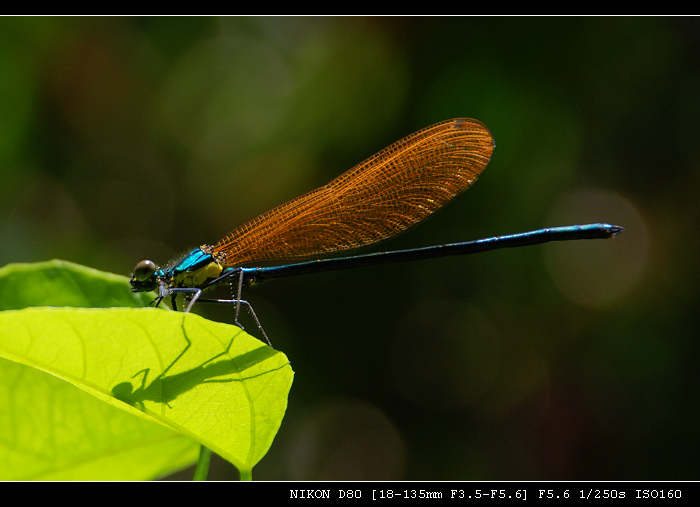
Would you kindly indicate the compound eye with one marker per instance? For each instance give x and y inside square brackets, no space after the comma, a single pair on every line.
[144,270]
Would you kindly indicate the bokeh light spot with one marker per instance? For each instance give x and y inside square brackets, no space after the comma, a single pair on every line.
[598,273]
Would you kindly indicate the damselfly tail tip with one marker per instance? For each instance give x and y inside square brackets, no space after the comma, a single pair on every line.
[614,230]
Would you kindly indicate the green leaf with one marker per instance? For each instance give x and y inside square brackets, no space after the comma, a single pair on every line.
[49,430]
[168,379]
[61,283]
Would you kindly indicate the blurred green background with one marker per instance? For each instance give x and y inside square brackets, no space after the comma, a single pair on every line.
[124,138]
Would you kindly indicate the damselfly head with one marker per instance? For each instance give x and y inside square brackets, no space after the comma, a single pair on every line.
[143,279]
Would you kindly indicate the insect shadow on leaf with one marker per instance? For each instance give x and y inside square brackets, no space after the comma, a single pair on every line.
[166,388]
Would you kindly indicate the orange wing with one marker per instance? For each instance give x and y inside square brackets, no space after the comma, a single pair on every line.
[383,196]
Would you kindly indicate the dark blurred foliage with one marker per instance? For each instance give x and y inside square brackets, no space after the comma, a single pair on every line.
[124,138]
